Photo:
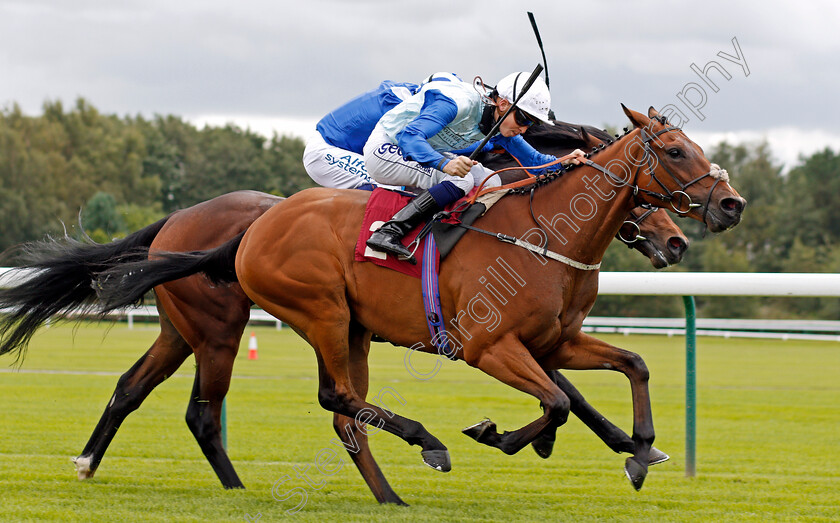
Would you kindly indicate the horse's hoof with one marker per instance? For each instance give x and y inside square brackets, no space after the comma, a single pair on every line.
[437,459]
[543,446]
[635,472]
[83,467]
[478,430]
[657,456]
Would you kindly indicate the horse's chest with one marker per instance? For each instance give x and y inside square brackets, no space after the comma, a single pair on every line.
[576,304]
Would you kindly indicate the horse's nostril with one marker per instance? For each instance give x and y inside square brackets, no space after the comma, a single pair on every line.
[677,245]
[732,205]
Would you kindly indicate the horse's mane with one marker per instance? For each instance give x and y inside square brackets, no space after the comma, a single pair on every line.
[559,140]
[552,175]
[562,133]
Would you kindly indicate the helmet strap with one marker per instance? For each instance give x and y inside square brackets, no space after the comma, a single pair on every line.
[515,80]
[488,118]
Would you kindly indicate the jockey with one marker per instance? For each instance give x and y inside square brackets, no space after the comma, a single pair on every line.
[333,154]
[410,145]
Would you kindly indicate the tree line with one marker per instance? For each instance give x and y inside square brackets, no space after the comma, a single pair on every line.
[114,175]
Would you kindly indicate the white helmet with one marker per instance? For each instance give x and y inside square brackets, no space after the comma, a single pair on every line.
[536,102]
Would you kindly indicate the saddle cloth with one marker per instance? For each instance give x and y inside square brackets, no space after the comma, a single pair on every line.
[383,204]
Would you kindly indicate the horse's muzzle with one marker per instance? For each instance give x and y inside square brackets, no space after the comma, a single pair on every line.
[726,214]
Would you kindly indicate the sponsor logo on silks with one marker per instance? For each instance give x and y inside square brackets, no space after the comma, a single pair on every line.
[355,166]
[391,149]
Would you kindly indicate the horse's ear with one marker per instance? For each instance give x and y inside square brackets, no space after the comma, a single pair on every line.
[588,139]
[652,113]
[638,119]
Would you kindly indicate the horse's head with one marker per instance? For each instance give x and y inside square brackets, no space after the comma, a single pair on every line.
[655,235]
[672,170]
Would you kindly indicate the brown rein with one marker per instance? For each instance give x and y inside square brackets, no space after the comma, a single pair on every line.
[531,180]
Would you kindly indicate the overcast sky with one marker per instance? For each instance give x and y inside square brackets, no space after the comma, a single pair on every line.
[281,65]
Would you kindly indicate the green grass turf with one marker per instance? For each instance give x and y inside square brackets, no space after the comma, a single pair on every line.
[768,438]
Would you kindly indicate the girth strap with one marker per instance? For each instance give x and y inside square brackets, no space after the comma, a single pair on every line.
[431,299]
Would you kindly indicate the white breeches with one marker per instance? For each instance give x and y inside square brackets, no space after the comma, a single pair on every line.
[330,166]
[386,165]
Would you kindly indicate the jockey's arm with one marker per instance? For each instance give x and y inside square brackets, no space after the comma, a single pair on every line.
[517,147]
[437,111]
[524,152]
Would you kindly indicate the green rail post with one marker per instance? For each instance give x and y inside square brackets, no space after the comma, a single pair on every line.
[690,387]
[224,423]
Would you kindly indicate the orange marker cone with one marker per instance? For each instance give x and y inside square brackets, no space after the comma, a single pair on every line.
[252,347]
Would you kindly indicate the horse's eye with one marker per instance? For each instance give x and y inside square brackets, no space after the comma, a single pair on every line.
[674,153]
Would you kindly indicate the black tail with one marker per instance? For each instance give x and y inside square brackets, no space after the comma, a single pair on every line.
[58,276]
[125,284]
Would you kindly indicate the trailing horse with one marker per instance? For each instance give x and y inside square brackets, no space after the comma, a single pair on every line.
[296,262]
[194,317]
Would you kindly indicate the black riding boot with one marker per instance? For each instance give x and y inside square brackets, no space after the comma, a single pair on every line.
[387,238]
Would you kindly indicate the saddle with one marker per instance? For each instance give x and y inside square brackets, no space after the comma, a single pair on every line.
[384,203]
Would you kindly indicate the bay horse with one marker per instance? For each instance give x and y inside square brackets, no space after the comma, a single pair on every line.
[65,274]
[296,262]
[66,270]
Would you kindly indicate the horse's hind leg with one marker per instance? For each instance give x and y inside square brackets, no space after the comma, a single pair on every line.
[158,363]
[336,392]
[309,292]
[354,439]
[615,438]
[211,319]
[214,366]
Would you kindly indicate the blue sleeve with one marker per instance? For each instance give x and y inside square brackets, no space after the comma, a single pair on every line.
[522,151]
[466,151]
[437,111]
[517,147]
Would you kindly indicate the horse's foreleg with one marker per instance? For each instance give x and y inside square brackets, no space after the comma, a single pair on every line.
[510,362]
[354,439]
[585,352]
[204,412]
[160,361]
[615,438]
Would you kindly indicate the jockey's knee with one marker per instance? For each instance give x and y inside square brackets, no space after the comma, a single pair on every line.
[465,184]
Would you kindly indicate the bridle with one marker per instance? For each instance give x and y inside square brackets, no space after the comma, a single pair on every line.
[637,237]
[666,196]
[534,182]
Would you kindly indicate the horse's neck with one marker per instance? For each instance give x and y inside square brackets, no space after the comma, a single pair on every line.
[581,212]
